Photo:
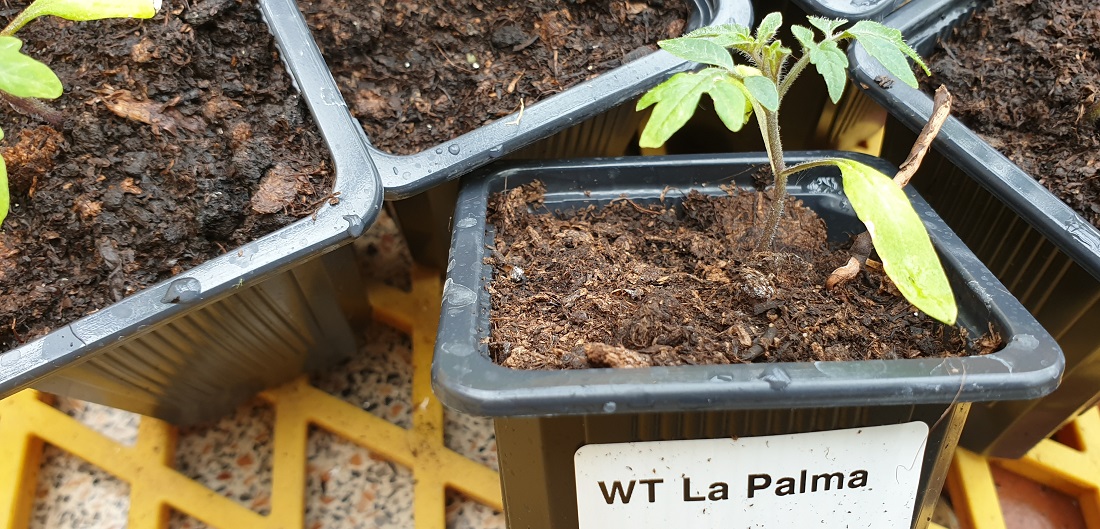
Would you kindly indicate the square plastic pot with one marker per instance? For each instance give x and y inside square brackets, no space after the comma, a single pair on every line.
[191,348]
[544,416]
[589,119]
[1046,254]
[406,175]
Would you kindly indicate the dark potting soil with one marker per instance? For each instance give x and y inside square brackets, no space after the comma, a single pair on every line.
[642,285]
[177,139]
[419,73]
[1026,76]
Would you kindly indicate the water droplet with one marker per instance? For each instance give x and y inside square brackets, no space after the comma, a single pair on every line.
[454,148]
[395,170]
[609,407]
[182,290]
[468,222]
[776,377]
[356,226]
[495,152]
[439,150]
[406,175]
[456,297]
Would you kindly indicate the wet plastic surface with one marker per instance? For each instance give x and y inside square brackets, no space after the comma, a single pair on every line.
[466,379]
[1046,254]
[850,9]
[174,350]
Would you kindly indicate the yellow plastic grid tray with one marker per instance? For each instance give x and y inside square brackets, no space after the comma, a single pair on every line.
[28,422]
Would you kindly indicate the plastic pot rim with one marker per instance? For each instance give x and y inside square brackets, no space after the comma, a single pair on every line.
[1029,366]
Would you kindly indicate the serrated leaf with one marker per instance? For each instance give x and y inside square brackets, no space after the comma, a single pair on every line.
[832,64]
[5,198]
[768,27]
[82,10]
[888,47]
[828,26]
[900,239]
[675,101]
[763,91]
[721,30]
[740,41]
[698,50]
[804,35]
[22,76]
[730,103]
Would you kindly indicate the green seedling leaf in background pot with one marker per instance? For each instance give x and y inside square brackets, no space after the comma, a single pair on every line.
[900,239]
[83,10]
[22,76]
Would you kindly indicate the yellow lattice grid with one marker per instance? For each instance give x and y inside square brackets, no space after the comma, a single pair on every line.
[1072,471]
[28,421]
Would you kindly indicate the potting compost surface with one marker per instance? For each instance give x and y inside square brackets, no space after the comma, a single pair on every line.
[1026,76]
[177,139]
[417,74]
[636,285]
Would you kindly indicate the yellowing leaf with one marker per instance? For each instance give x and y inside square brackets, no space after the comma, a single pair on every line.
[900,239]
[82,10]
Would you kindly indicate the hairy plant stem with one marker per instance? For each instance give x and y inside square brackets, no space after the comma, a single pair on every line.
[779,169]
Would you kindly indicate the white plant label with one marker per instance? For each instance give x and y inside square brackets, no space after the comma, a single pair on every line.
[861,477]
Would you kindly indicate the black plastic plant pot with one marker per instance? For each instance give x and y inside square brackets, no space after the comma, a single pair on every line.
[848,10]
[191,348]
[1046,254]
[588,119]
[406,175]
[544,417]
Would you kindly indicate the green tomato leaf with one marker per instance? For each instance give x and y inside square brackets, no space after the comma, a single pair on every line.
[768,27]
[698,50]
[730,103]
[887,46]
[830,61]
[677,99]
[5,199]
[81,10]
[828,26]
[721,31]
[900,239]
[804,35]
[763,91]
[22,76]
